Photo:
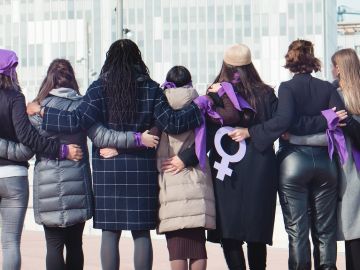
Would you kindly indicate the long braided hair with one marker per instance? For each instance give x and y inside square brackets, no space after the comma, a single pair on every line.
[122,66]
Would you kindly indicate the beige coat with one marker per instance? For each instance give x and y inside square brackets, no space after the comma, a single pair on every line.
[186,199]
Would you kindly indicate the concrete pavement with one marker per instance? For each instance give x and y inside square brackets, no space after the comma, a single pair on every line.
[33,254]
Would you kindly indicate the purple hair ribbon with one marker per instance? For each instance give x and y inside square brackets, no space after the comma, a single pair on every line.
[167,84]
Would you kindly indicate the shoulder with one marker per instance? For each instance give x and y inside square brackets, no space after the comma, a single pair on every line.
[149,84]
[95,91]
[12,94]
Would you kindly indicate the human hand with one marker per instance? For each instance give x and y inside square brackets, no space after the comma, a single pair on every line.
[342,114]
[203,102]
[173,165]
[33,108]
[149,140]
[285,136]
[239,134]
[75,153]
[108,152]
[214,88]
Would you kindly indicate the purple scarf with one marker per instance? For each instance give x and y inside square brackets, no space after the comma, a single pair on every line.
[238,101]
[335,136]
[8,63]
[205,105]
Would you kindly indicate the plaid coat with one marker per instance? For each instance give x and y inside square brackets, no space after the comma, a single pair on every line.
[125,187]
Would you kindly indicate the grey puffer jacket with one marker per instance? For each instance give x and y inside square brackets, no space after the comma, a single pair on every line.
[62,188]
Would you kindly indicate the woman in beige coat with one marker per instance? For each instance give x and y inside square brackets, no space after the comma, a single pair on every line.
[187,204]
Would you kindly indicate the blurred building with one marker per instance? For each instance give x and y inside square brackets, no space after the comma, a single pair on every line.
[349,36]
[195,33]
[190,33]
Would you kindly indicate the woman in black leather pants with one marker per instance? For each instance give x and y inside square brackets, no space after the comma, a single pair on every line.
[308,180]
[308,177]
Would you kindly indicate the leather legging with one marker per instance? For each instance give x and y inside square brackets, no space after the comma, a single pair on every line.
[308,197]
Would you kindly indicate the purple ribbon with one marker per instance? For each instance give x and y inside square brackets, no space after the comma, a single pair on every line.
[167,84]
[356,157]
[335,136]
[238,101]
[137,137]
[8,63]
[205,106]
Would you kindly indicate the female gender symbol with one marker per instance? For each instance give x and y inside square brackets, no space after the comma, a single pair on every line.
[223,166]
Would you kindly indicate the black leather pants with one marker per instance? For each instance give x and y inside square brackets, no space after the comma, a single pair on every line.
[308,197]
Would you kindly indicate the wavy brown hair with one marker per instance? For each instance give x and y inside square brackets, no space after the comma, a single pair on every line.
[59,74]
[348,64]
[300,57]
[246,81]
[8,83]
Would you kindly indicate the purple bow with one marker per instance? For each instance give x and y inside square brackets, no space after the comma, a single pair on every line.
[8,63]
[335,136]
[167,84]
[205,106]
[238,101]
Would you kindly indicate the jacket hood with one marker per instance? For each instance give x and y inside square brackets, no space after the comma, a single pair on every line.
[65,93]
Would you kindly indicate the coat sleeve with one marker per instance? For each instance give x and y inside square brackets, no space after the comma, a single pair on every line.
[308,125]
[104,137]
[352,129]
[83,117]
[15,151]
[229,114]
[175,121]
[188,156]
[263,135]
[28,135]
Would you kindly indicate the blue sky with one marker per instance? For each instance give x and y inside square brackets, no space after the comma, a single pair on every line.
[354,5]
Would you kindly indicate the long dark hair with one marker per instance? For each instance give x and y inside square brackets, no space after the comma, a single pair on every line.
[122,66]
[59,74]
[246,82]
[9,83]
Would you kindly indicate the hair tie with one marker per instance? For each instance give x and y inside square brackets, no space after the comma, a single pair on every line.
[167,84]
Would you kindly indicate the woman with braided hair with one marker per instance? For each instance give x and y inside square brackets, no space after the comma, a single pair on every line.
[124,98]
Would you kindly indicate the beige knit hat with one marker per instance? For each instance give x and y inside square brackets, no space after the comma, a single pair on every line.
[237,55]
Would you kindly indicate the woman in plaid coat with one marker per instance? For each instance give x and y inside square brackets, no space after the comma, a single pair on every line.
[124,98]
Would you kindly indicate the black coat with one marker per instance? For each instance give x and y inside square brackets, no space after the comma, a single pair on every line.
[246,201]
[301,98]
[126,186]
[15,126]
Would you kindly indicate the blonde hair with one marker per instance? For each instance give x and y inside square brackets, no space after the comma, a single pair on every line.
[348,64]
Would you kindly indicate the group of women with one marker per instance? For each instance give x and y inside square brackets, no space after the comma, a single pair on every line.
[151,170]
